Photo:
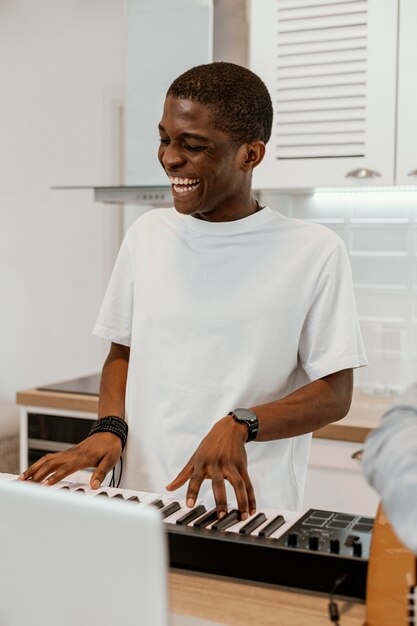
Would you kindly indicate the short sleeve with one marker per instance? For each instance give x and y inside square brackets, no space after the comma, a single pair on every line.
[331,339]
[114,321]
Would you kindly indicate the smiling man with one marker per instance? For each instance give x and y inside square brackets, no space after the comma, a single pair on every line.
[233,328]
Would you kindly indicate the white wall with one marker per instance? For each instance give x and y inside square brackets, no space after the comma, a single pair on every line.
[62,77]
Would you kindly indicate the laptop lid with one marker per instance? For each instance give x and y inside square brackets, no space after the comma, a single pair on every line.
[71,560]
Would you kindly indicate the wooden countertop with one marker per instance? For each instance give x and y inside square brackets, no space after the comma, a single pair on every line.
[236,603]
[58,400]
[364,415]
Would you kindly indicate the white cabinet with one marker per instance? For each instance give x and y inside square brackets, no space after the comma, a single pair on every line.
[335,70]
[406,163]
[335,480]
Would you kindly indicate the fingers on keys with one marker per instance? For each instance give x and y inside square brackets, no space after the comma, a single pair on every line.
[250,492]
[240,481]
[99,451]
[245,495]
[51,467]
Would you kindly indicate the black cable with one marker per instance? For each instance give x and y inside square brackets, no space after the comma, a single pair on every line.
[112,482]
[333,608]
[334,612]
[121,472]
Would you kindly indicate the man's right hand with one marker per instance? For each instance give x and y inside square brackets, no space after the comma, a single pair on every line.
[101,451]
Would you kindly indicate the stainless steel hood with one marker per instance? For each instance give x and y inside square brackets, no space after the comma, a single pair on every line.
[128,194]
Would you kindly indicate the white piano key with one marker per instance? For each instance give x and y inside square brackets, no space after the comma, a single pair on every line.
[9,476]
[290,518]
[147,498]
[151,497]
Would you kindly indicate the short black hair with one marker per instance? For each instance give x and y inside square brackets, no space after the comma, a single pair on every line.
[239,99]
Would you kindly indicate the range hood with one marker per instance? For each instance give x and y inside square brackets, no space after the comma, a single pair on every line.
[128,194]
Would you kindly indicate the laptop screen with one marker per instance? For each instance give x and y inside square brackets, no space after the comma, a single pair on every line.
[71,560]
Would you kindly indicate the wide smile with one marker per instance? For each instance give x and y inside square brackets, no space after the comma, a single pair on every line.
[184,185]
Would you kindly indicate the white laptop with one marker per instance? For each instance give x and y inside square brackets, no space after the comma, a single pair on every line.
[70,560]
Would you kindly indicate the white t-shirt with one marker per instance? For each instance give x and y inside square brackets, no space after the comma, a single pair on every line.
[220,315]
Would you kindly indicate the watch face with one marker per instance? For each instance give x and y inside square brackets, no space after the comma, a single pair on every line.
[248,417]
[245,415]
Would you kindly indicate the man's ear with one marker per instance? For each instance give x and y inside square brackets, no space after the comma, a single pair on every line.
[252,154]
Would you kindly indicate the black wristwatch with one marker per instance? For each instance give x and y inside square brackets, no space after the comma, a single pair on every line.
[245,416]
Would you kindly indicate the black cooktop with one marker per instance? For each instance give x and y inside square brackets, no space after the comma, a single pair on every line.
[88,385]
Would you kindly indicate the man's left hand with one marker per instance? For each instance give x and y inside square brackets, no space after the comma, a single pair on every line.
[220,456]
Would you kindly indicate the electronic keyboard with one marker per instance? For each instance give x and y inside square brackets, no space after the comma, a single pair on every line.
[309,550]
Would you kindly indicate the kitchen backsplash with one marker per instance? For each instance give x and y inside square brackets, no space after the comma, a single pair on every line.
[379,229]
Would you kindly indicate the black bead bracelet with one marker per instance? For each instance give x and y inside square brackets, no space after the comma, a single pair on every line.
[111,424]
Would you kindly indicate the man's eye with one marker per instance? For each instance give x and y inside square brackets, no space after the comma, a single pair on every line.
[195,148]
[165,142]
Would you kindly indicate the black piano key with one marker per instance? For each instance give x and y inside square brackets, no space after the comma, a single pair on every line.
[133,499]
[64,487]
[169,509]
[102,493]
[228,520]
[272,526]
[253,524]
[118,495]
[79,490]
[207,519]
[158,503]
[191,515]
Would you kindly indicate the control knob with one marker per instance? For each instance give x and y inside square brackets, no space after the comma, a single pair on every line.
[313,542]
[357,548]
[334,546]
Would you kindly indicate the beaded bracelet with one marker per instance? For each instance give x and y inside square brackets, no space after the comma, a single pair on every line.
[111,424]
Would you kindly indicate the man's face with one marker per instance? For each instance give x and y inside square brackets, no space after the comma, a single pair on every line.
[203,166]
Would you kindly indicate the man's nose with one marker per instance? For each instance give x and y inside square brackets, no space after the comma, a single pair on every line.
[172,156]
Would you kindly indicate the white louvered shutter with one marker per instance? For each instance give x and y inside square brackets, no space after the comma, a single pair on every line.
[330,66]
[321,79]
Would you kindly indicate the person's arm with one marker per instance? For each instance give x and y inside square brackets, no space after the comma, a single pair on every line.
[390,466]
[113,382]
[101,450]
[309,408]
[222,456]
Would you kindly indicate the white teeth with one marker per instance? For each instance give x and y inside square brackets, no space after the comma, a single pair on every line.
[183,181]
[183,185]
[183,188]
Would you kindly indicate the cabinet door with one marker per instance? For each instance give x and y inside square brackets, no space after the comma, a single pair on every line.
[406,166]
[331,71]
